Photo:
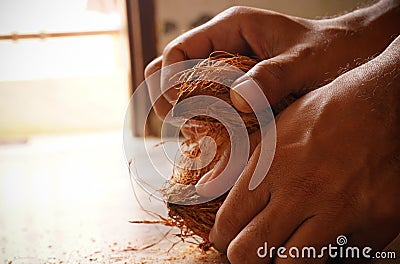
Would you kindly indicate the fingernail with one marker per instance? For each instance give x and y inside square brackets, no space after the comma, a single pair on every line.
[247,97]
[207,186]
[205,178]
[204,188]
[221,178]
[239,102]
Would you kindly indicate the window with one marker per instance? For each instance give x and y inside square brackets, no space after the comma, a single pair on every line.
[64,66]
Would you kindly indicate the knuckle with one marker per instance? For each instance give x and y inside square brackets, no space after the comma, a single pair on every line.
[269,73]
[275,69]
[148,70]
[307,52]
[234,10]
[172,47]
[151,68]
[178,43]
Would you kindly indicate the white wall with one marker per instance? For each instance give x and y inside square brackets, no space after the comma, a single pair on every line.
[183,12]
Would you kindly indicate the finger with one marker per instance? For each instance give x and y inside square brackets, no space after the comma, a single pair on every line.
[162,107]
[194,44]
[229,221]
[310,242]
[207,190]
[220,33]
[271,228]
[153,66]
[274,79]
[153,78]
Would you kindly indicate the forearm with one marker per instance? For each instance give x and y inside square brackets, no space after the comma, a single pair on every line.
[350,40]
[380,79]
[372,28]
[383,73]
[377,25]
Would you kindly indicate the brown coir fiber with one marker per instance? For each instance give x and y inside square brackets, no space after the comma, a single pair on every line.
[206,78]
[198,219]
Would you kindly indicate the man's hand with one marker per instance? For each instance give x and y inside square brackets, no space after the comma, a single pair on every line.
[297,55]
[336,170]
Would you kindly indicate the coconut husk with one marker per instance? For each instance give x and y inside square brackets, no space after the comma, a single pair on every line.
[198,219]
[206,78]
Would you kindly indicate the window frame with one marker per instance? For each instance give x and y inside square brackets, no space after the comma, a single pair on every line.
[142,46]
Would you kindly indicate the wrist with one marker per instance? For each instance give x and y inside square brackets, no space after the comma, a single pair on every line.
[348,41]
[370,29]
[372,93]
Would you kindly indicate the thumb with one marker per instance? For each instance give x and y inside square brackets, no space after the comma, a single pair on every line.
[271,79]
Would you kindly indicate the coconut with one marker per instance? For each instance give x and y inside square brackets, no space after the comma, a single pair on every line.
[205,78]
[198,219]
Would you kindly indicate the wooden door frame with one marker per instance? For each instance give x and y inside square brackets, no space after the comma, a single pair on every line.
[141,26]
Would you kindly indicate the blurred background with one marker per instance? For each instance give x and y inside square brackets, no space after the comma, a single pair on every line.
[63,68]
[67,70]
[66,66]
